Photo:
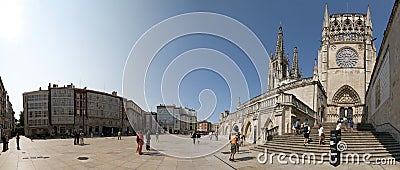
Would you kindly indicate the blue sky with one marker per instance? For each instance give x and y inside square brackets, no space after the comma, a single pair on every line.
[88,42]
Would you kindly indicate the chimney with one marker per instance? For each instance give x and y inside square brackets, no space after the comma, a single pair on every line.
[114,93]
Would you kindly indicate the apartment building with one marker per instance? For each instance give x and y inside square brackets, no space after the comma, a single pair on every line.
[7,120]
[175,119]
[60,111]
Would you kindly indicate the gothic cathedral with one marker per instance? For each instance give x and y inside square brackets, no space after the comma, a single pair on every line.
[346,60]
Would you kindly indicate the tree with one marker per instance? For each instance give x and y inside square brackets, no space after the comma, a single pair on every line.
[21,119]
[20,125]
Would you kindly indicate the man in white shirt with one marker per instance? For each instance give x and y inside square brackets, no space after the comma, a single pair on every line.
[321,134]
[338,126]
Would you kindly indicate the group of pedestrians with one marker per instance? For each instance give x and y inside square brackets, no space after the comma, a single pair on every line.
[196,136]
[305,129]
[78,138]
[140,142]
[346,123]
[211,134]
[5,140]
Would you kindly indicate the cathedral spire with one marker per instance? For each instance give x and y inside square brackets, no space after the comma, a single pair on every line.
[279,51]
[326,17]
[368,21]
[295,64]
[315,71]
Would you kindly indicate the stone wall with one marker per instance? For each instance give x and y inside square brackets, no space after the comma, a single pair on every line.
[383,95]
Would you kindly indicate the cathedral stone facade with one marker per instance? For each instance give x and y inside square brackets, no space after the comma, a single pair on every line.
[346,59]
[336,89]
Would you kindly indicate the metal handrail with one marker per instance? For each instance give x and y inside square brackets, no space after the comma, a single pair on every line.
[373,122]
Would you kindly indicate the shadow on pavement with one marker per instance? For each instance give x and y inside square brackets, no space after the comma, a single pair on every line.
[152,153]
[245,158]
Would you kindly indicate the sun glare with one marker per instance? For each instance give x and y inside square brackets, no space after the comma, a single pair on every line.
[10,19]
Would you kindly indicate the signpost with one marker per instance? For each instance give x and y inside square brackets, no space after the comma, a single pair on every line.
[335,154]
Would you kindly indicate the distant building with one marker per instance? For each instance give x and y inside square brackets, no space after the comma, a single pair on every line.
[135,115]
[7,120]
[204,126]
[150,122]
[174,119]
[63,110]
[214,127]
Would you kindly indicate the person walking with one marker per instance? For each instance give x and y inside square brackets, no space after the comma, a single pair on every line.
[198,136]
[238,142]
[321,135]
[234,140]
[351,125]
[148,137]
[3,139]
[139,140]
[194,136]
[17,139]
[306,131]
[76,138]
[338,125]
[297,126]
[243,139]
[7,138]
[346,122]
[81,135]
[157,135]
[119,135]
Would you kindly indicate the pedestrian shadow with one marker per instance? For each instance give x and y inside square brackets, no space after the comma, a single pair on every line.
[225,152]
[245,158]
[83,144]
[152,153]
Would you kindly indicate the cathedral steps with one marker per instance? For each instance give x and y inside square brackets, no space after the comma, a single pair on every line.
[323,148]
[364,139]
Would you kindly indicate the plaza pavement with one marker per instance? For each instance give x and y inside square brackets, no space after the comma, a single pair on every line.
[110,153]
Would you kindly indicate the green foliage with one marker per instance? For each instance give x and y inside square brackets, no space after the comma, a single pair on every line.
[20,130]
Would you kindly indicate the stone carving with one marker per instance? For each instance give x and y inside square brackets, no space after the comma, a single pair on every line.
[346,95]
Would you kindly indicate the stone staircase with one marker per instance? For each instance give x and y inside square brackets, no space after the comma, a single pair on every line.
[364,139]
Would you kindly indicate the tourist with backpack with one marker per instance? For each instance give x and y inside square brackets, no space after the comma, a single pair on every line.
[306,131]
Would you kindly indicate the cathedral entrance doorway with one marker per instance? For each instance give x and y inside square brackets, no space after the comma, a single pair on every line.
[346,98]
[346,112]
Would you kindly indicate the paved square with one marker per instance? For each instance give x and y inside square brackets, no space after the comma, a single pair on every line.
[110,153]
